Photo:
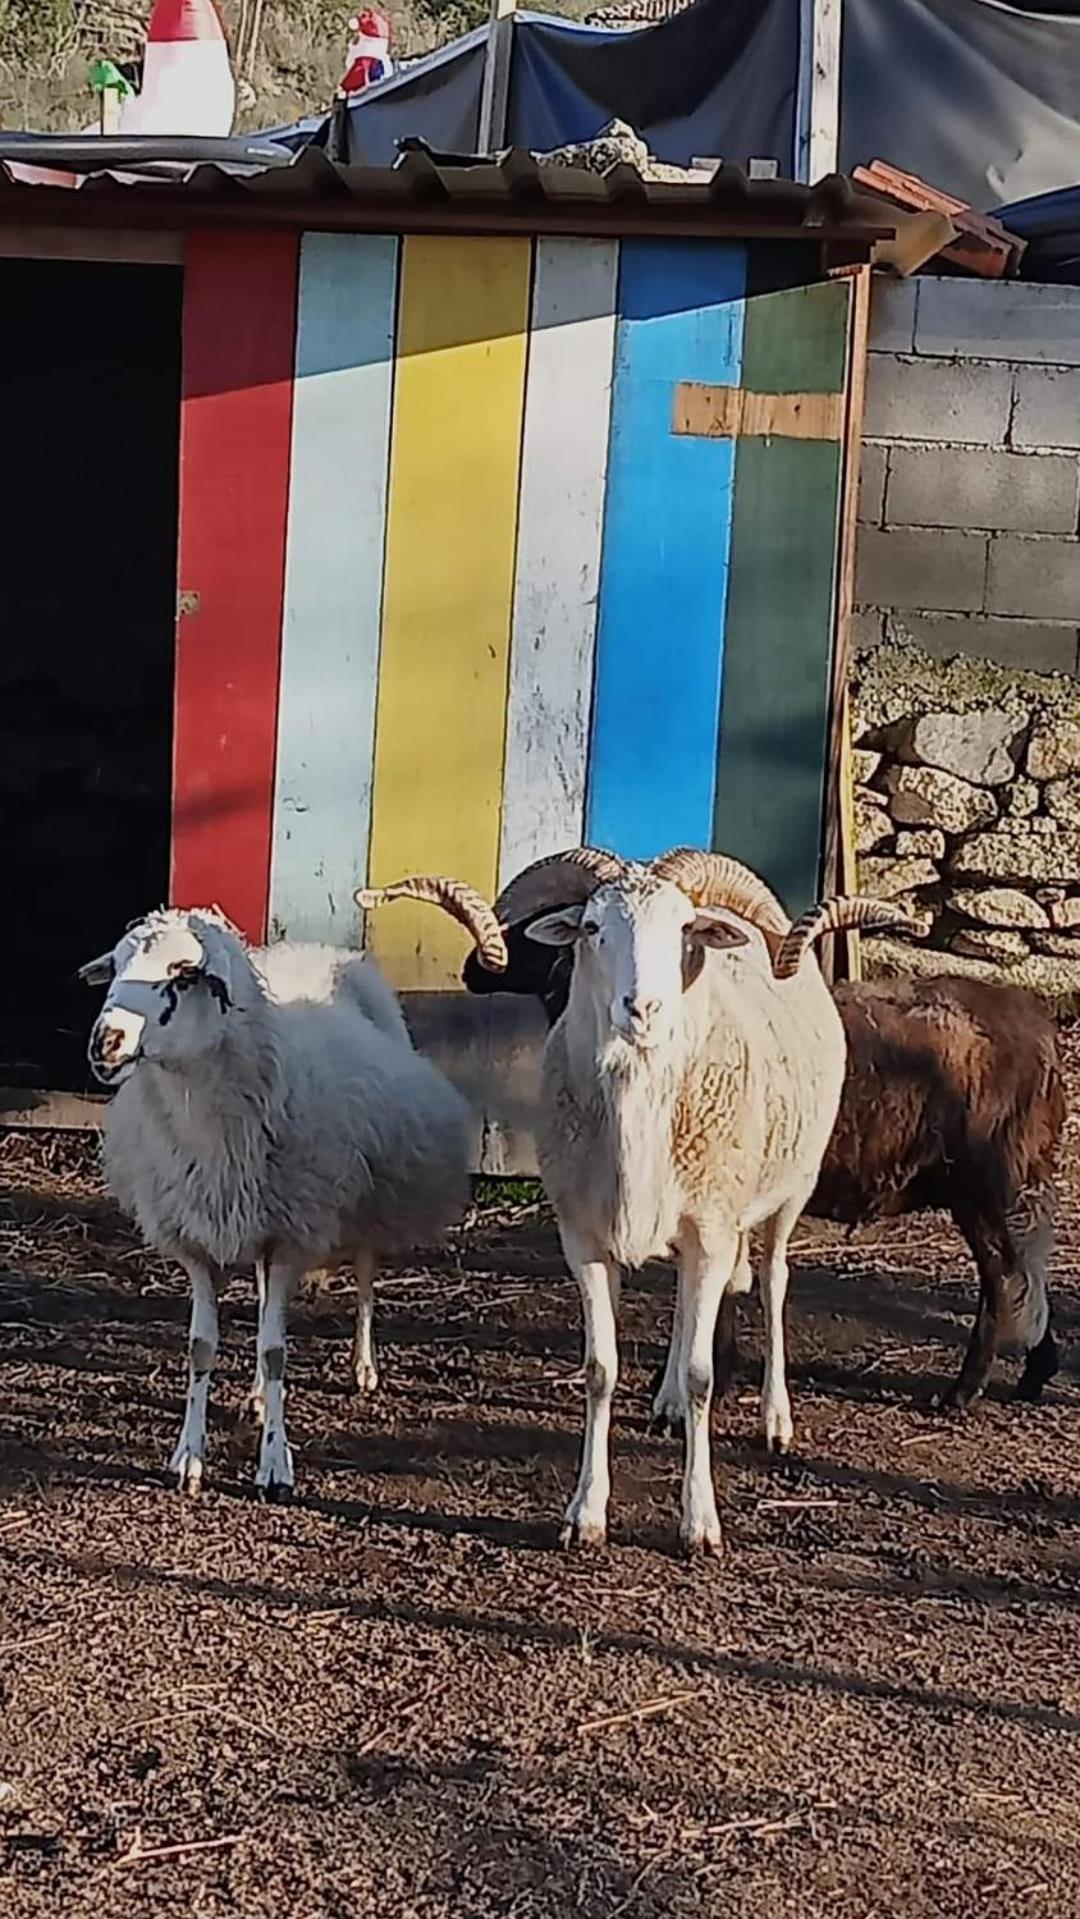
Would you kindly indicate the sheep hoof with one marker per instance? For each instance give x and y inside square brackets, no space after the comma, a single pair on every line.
[702,1542]
[365,1379]
[188,1468]
[667,1417]
[777,1429]
[582,1532]
[274,1478]
[1040,1365]
[956,1399]
[276,1492]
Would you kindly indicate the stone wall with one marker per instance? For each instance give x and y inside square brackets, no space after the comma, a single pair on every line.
[970,496]
[968,813]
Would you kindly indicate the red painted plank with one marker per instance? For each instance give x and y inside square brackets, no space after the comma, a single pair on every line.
[240,295]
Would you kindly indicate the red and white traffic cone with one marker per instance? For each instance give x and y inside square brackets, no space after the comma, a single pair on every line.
[188,84]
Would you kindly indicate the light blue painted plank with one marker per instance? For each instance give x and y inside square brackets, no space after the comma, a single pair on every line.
[667,535]
[333,584]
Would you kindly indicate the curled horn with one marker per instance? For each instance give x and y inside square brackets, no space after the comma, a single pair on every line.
[828,916]
[562,879]
[462,903]
[714,879]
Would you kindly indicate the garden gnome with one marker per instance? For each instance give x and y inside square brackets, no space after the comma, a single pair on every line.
[368,58]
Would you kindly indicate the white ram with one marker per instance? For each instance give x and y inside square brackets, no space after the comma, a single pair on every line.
[270,1111]
[689,1091]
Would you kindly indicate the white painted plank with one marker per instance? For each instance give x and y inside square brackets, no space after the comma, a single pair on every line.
[333,584]
[817,107]
[564,469]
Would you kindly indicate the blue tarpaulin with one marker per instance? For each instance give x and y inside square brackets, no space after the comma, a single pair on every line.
[979,97]
[718,80]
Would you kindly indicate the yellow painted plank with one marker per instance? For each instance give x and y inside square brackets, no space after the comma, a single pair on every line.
[448,598]
[732,412]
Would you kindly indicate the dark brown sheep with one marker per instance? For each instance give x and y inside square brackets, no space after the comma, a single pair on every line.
[953,1100]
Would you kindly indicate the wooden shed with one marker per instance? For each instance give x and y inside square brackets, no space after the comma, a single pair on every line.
[361,522]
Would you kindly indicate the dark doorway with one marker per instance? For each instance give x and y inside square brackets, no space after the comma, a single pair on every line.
[89,426]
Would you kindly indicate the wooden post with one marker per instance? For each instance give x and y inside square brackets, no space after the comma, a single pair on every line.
[109,110]
[495,92]
[844,961]
[817,96]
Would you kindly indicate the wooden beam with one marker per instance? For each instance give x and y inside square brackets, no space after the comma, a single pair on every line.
[118,245]
[495,91]
[817,97]
[44,1111]
[732,413]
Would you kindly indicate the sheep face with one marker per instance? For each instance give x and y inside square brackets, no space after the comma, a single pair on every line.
[638,944]
[172,981]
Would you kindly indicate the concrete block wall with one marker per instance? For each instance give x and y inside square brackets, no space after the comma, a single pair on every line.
[969,504]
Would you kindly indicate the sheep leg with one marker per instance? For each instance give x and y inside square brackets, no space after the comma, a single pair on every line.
[365,1375]
[257,1401]
[189,1456]
[667,1410]
[704,1276]
[776,1421]
[989,1247]
[274,1475]
[585,1523]
[667,1414]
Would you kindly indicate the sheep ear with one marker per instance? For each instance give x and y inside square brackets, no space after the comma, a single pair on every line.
[717,933]
[557,929]
[97,972]
[216,969]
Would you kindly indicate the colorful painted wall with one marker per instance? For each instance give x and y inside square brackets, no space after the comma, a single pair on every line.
[489,546]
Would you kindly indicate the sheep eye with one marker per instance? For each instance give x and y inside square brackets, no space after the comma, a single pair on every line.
[185,970]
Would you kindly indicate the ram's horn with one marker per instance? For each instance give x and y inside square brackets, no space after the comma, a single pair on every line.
[714,879]
[561,879]
[462,902]
[828,916]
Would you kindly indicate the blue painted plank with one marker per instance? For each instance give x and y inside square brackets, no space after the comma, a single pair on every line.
[333,584]
[667,535]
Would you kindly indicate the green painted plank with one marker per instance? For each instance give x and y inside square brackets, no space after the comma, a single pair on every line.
[798,340]
[781,608]
[774,727]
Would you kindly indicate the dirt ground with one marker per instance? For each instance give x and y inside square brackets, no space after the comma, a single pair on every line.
[396,1697]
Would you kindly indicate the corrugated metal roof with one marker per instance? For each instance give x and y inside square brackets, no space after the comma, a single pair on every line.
[171,186]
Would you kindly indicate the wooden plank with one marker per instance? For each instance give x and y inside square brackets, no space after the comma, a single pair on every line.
[333,584]
[817,96]
[838,870]
[121,245]
[796,345]
[726,412]
[770,791]
[846,956]
[495,86]
[564,467]
[454,468]
[666,537]
[239,330]
[43,1111]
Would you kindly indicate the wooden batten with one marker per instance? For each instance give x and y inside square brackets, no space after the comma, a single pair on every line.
[730,413]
